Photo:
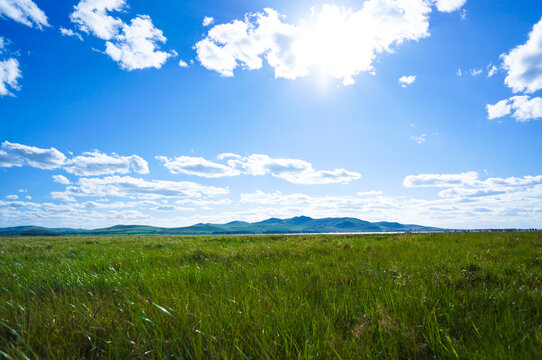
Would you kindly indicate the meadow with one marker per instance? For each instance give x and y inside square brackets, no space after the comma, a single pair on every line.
[382,296]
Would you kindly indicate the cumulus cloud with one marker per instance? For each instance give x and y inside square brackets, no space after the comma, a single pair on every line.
[93,163]
[12,197]
[208,20]
[520,207]
[23,11]
[522,107]
[468,185]
[136,47]
[449,5]
[526,108]
[524,63]
[462,199]
[9,76]
[13,154]
[500,109]
[97,163]
[91,16]
[61,179]
[9,72]
[183,63]
[137,188]
[133,46]
[293,170]
[475,72]
[407,80]
[337,41]
[197,166]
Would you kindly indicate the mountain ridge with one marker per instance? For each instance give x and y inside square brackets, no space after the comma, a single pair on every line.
[294,225]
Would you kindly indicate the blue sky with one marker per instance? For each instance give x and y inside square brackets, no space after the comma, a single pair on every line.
[172,113]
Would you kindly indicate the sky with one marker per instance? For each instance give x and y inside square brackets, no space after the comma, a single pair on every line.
[173,113]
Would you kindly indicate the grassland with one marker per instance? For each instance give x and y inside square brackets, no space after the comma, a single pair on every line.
[444,296]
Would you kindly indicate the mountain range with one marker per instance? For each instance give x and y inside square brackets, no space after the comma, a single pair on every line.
[295,225]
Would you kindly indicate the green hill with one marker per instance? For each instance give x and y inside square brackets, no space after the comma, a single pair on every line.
[295,225]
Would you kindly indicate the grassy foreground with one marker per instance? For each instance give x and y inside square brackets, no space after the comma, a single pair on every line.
[444,296]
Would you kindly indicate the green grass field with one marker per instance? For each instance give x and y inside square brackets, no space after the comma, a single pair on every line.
[443,296]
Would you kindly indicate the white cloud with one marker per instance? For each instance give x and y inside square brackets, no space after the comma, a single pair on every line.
[97,163]
[23,11]
[91,17]
[439,180]
[475,72]
[523,107]
[134,45]
[449,5]
[137,188]
[467,185]
[459,72]
[12,197]
[197,166]
[8,160]
[183,63]
[407,80]
[491,70]
[293,170]
[208,20]
[61,179]
[227,155]
[336,41]
[70,33]
[524,63]
[88,164]
[9,76]
[419,139]
[464,201]
[28,197]
[500,109]
[17,155]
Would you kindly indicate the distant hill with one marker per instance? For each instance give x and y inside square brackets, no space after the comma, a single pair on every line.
[295,225]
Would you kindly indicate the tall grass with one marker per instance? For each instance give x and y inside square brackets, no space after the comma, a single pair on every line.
[444,296]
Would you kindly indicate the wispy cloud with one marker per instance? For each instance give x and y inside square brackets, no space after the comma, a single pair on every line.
[419,139]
